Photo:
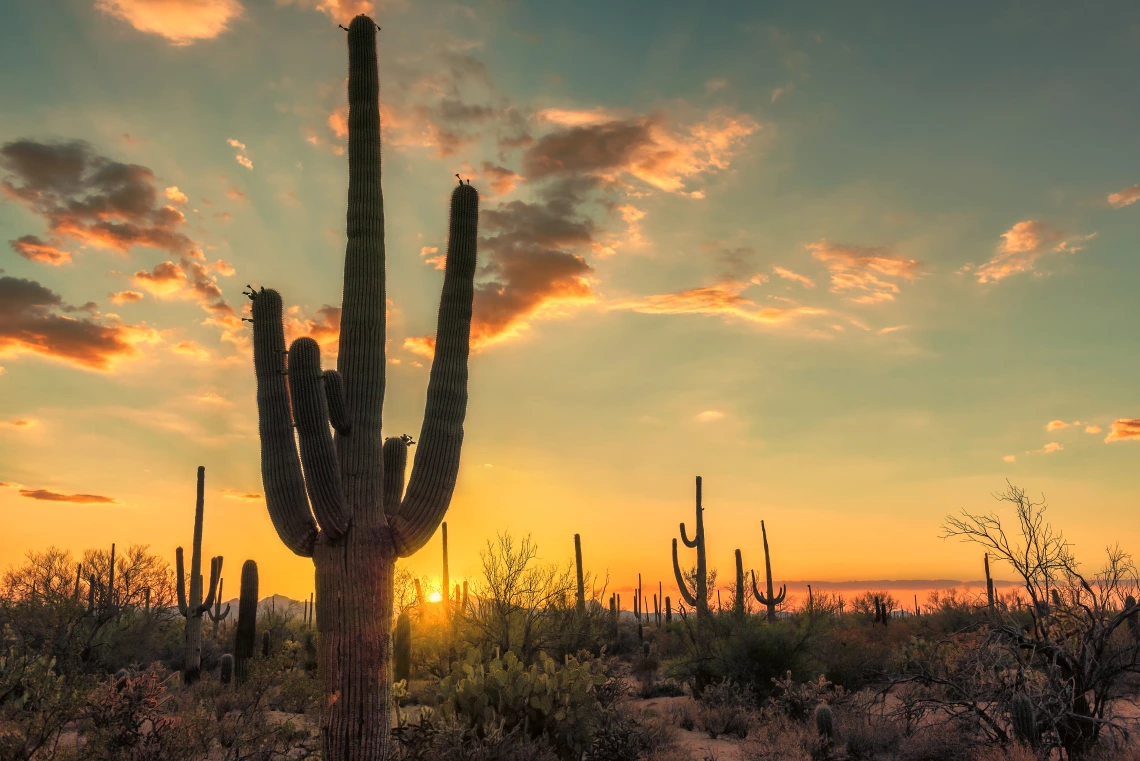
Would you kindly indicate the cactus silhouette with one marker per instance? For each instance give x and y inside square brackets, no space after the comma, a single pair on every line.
[193,607]
[581,579]
[697,597]
[989,582]
[246,635]
[348,509]
[825,722]
[402,650]
[217,615]
[738,607]
[769,600]
[227,669]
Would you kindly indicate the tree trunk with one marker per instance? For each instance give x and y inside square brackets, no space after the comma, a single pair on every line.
[354,611]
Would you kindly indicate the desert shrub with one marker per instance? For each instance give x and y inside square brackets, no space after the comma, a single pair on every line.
[442,738]
[798,701]
[127,717]
[725,709]
[36,704]
[662,689]
[559,701]
[870,736]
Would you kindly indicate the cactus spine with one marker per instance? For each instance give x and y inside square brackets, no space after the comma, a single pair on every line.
[581,578]
[1024,720]
[770,600]
[193,607]
[738,609]
[698,596]
[246,622]
[402,650]
[348,508]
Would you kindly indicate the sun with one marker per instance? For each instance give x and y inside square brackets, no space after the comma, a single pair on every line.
[435,597]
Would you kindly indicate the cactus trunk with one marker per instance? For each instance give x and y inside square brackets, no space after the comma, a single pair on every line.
[698,595]
[581,578]
[989,583]
[348,509]
[770,600]
[738,608]
[194,607]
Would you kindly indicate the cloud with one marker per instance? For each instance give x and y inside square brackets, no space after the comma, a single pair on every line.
[1125,197]
[195,279]
[235,143]
[1010,458]
[780,92]
[52,496]
[870,270]
[89,199]
[1056,425]
[432,256]
[1052,446]
[182,22]
[35,250]
[209,396]
[502,180]
[188,348]
[244,161]
[1023,244]
[891,329]
[174,195]
[126,297]
[247,496]
[713,85]
[724,300]
[341,11]
[795,277]
[1092,429]
[1124,430]
[31,323]
[642,147]
[709,416]
[18,423]
[323,327]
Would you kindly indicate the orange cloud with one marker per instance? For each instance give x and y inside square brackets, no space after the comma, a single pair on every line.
[235,494]
[190,349]
[502,180]
[52,496]
[1010,458]
[855,268]
[341,11]
[182,22]
[724,300]
[795,277]
[1125,197]
[1124,430]
[174,195]
[18,423]
[192,278]
[709,416]
[1023,244]
[35,250]
[1056,425]
[1052,446]
[31,323]
[323,327]
[641,147]
[432,256]
[1092,429]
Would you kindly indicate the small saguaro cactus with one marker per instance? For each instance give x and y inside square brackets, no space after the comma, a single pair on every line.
[989,582]
[825,722]
[246,636]
[581,607]
[668,610]
[402,650]
[697,597]
[194,607]
[1024,720]
[227,669]
[770,600]
[342,500]
[738,607]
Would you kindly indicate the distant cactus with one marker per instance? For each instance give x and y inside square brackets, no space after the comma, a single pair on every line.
[1024,720]
[698,596]
[445,587]
[227,671]
[581,579]
[217,615]
[463,602]
[1056,598]
[110,604]
[641,611]
[194,607]
[668,611]
[738,607]
[246,636]
[770,600]
[419,596]
[1133,617]
[402,649]
[825,722]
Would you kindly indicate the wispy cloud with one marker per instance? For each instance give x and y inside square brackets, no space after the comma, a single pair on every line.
[47,495]
[246,496]
[1124,430]
[1023,245]
[240,157]
[868,275]
[341,11]
[1010,458]
[795,277]
[1049,448]
[1056,425]
[709,416]
[1125,197]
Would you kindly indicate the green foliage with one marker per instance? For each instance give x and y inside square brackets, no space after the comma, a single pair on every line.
[546,698]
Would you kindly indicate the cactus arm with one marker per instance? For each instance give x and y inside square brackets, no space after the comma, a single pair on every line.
[756,592]
[361,360]
[782,596]
[215,574]
[685,538]
[334,395]
[224,614]
[395,465]
[437,460]
[310,410]
[180,570]
[682,587]
[280,466]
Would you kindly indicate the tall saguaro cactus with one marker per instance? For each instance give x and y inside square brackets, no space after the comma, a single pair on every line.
[770,600]
[989,582]
[697,597]
[739,609]
[194,607]
[581,579]
[348,509]
[246,636]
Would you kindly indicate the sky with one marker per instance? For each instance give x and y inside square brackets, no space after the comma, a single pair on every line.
[856,265]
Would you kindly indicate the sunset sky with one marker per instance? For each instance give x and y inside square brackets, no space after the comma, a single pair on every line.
[854,264]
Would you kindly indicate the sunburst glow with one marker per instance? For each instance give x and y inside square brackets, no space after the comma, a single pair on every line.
[435,597]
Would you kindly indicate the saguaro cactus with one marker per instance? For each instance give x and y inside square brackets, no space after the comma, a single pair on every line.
[738,608]
[770,600]
[193,607]
[581,578]
[348,509]
[697,597]
[227,669]
[217,615]
[989,582]
[246,636]
[1023,717]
